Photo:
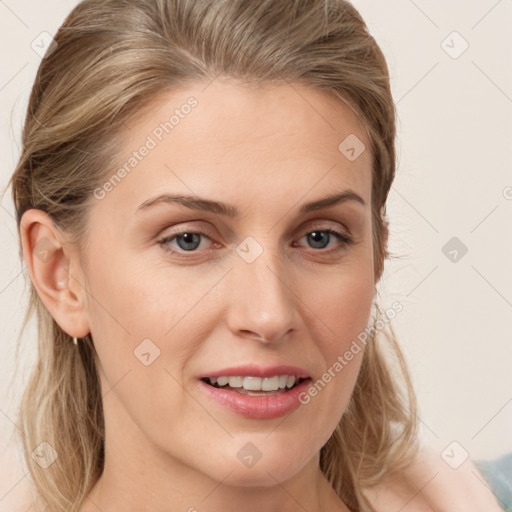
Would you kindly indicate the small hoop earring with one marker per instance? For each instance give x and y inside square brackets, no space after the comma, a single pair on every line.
[75,341]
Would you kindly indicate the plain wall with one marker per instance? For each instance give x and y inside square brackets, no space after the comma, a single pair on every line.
[454,180]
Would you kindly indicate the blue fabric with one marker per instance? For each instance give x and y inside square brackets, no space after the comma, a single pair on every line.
[498,474]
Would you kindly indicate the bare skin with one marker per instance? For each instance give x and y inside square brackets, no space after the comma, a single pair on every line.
[431,485]
[266,152]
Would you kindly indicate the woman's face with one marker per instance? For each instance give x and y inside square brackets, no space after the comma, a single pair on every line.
[240,294]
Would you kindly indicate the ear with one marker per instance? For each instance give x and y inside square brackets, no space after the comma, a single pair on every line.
[384,242]
[53,266]
[385,234]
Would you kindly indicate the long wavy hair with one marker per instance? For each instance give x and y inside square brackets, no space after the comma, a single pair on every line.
[111,59]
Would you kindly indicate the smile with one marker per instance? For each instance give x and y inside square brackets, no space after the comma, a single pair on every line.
[255,386]
[257,392]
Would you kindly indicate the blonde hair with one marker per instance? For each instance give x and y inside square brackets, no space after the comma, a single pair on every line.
[112,58]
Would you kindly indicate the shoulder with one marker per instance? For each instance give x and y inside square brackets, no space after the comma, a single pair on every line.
[20,501]
[431,485]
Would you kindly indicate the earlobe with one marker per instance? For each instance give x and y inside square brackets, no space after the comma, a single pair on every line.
[49,264]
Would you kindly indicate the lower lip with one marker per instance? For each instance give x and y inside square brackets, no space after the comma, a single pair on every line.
[258,407]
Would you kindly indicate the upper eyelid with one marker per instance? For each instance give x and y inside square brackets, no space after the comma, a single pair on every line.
[315,225]
[309,226]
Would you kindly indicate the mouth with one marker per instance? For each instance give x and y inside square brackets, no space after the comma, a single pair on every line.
[256,386]
[256,392]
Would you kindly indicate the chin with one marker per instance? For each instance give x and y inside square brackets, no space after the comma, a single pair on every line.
[263,472]
[261,477]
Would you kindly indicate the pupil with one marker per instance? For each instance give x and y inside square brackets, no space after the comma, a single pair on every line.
[314,235]
[190,239]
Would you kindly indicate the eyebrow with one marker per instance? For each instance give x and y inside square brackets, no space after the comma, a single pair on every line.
[228,210]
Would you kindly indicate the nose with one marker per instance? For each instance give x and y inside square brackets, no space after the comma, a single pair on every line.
[262,301]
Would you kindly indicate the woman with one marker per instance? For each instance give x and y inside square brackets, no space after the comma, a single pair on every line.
[201,206]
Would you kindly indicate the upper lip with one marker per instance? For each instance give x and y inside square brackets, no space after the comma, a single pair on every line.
[259,371]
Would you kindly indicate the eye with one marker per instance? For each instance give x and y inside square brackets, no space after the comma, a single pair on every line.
[319,238]
[190,241]
[187,241]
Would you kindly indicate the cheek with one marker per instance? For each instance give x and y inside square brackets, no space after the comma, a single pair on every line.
[341,304]
[341,313]
[137,299]
[145,313]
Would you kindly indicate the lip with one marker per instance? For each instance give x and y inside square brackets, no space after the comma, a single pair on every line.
[259,371]
[257,407]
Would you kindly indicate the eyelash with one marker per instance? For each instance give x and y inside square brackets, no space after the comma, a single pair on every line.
[342,237]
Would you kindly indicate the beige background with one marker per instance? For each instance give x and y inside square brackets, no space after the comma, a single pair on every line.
[454,180]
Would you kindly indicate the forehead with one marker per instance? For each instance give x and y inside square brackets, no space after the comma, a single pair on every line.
[235,142]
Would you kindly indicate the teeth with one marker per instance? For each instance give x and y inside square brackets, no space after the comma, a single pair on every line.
[236,382]
[270,384]
[250,383]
